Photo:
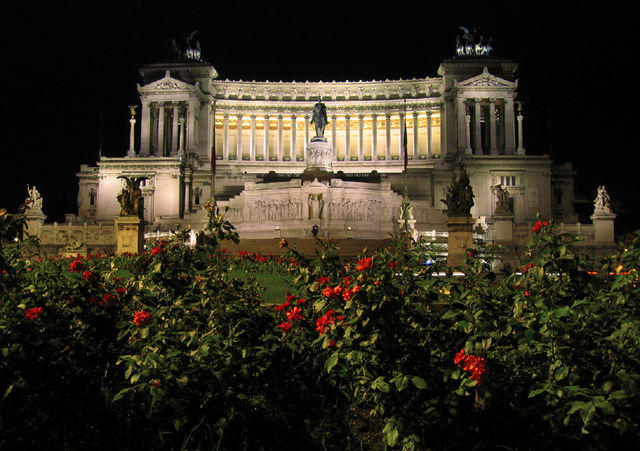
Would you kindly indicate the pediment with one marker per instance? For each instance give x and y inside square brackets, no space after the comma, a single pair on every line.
[167,83]
[486,80]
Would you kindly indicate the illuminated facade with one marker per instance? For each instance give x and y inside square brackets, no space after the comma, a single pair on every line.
[259,134]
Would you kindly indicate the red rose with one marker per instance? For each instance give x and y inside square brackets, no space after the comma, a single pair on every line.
[281,307]
[32,313]
[76,266]
[392,264]
[471,363]
[301,301]
[364,264]
[88,275]
[323,280]
[324,321]
[538,225]
[156,250]
[108,298]
[327,292]
[286,326]
[121,290]
[294,314]
[141,318]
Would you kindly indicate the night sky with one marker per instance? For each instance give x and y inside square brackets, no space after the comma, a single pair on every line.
[64,69]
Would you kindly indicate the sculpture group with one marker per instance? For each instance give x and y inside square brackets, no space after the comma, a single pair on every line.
[459,196]
[469,45]
[130,198]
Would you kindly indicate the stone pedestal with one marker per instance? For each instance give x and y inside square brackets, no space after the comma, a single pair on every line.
[319,154]
[319,160]
[603,228]
[503,227]
[129,235]
[460,239]
[34,222]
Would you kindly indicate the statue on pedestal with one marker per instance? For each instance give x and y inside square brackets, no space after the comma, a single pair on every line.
[130,198]
[502,200]
[34,199]
[459,196]
[319,118]
[602,202]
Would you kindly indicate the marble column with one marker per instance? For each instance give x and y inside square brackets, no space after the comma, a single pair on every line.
[509,128]
[252,139]
[280,136]
[462,112]
[132,137]
[403,145]
[174,129]
[292,151]
[225,136]
[374,137]
[160,140]
[468,133]
[306,137]
[429,135]
[334,135]
[521,150]
[265,138]
[347,136]
[181,133]
[361,137]
[145,130]
[493,137]
[192,133]
[477,126]
[239,137]
[388,149]
[153,129]
[416,154]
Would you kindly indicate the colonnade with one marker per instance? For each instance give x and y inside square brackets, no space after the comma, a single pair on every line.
[357,137]
[163,128]
[486,126]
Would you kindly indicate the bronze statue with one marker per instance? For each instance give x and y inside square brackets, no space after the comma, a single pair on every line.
[130,198]
[459,196]
[319,118]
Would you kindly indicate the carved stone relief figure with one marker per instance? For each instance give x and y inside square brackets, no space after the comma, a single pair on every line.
[316,204]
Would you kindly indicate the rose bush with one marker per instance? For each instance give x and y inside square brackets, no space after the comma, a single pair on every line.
[169,350]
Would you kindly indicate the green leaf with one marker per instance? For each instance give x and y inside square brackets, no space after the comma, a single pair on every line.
[331,362]
[450,314]
[419,382]
[561,373]
[619,394]
[120,394]
[536,392]
[124,274]
[392,437]
[402,382]
[381,385]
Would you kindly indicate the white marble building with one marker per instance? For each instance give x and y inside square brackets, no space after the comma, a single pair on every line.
[259,133]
